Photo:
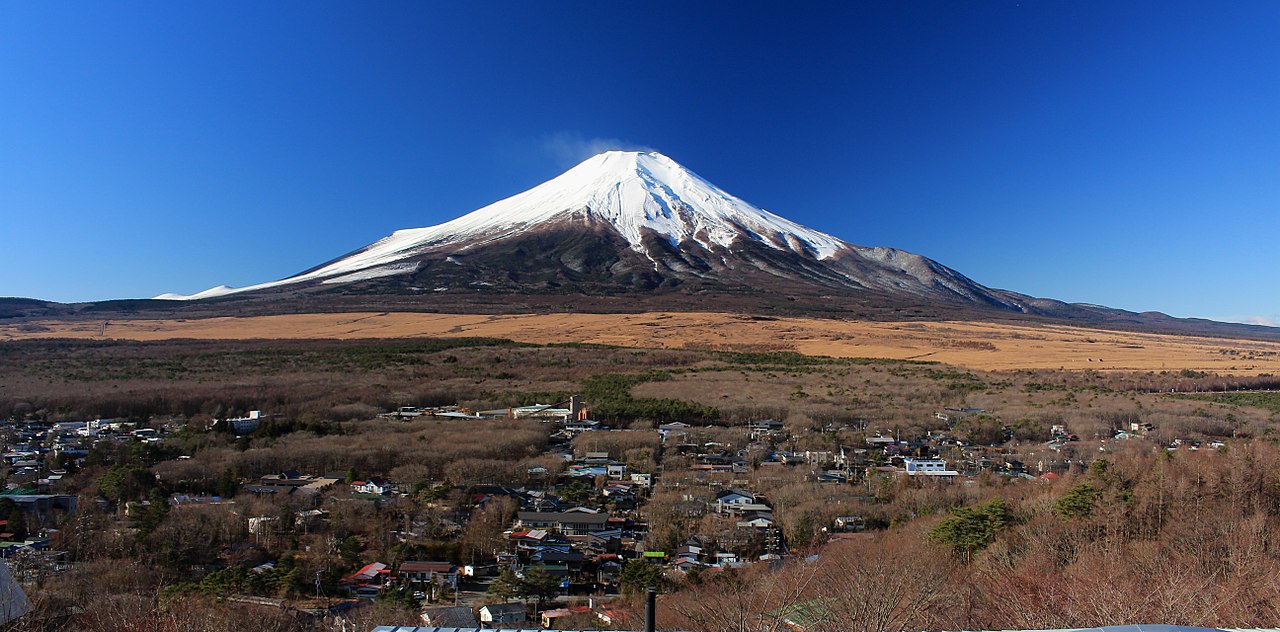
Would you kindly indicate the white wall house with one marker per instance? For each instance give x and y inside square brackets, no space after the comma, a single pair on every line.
[927,467]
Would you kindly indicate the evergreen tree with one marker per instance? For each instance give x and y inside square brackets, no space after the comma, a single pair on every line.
[506,585]
[638,575]
[401,596]
[970,529]
[153,514]
[540,585]
[1078,502]
[226,486]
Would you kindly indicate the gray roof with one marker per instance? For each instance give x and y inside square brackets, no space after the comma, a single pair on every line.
[450,615]
[571,517]
[504,607]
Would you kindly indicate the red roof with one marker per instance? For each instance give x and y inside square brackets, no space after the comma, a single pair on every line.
[370,571]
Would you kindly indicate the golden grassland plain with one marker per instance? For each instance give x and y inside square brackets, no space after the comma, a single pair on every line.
[977,345]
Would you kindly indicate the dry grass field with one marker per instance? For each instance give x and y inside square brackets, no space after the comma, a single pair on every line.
[977,345]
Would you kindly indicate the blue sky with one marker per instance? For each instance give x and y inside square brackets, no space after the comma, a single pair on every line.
[1121,153]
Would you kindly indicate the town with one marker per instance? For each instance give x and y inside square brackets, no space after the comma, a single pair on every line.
[553,514]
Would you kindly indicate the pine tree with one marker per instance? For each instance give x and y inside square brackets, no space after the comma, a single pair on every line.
[970,529]
[638,575]
[540,585]
[226,485]
[1078,502]
[506,585]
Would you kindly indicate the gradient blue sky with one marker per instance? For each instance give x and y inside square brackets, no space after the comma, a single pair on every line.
[1122,153]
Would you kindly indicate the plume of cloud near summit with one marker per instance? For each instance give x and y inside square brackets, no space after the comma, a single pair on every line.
[1270,321]
[569,149]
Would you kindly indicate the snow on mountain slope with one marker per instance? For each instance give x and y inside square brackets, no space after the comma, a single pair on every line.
[631,191]
[209,293]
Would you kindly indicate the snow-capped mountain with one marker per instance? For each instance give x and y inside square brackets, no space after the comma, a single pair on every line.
[625,220]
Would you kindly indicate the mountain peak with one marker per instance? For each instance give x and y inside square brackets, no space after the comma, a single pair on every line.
[619,162]
[636,193]
[626,219]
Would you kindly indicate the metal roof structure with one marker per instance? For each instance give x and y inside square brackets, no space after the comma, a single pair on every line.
[1153,627]
[1110,628]
[392,628]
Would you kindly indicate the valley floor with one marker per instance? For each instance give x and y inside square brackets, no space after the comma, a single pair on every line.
[977,345]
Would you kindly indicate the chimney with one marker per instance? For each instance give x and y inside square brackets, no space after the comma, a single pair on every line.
[650,609]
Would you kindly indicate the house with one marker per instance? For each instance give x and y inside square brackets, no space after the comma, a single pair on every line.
[290,480]
[450,617]
[685,563]
[369,580]
[571,559]
[927,467]
[428,572]
[678,428]
[725,558]
[689,550]
[549,617]
[586,471]
[607,540]
[746,508]
[372,486]
[608,569]
[578,521]
[765,428]
[831,476]
[610,614]
[757,522]
[309,518]
[368,573]
[502,615]
[731,498]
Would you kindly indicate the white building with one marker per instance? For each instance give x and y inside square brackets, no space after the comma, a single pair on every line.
[927,467]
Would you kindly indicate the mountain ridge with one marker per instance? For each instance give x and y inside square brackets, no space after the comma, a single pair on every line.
[634,192]
[689,230]
[631,231]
